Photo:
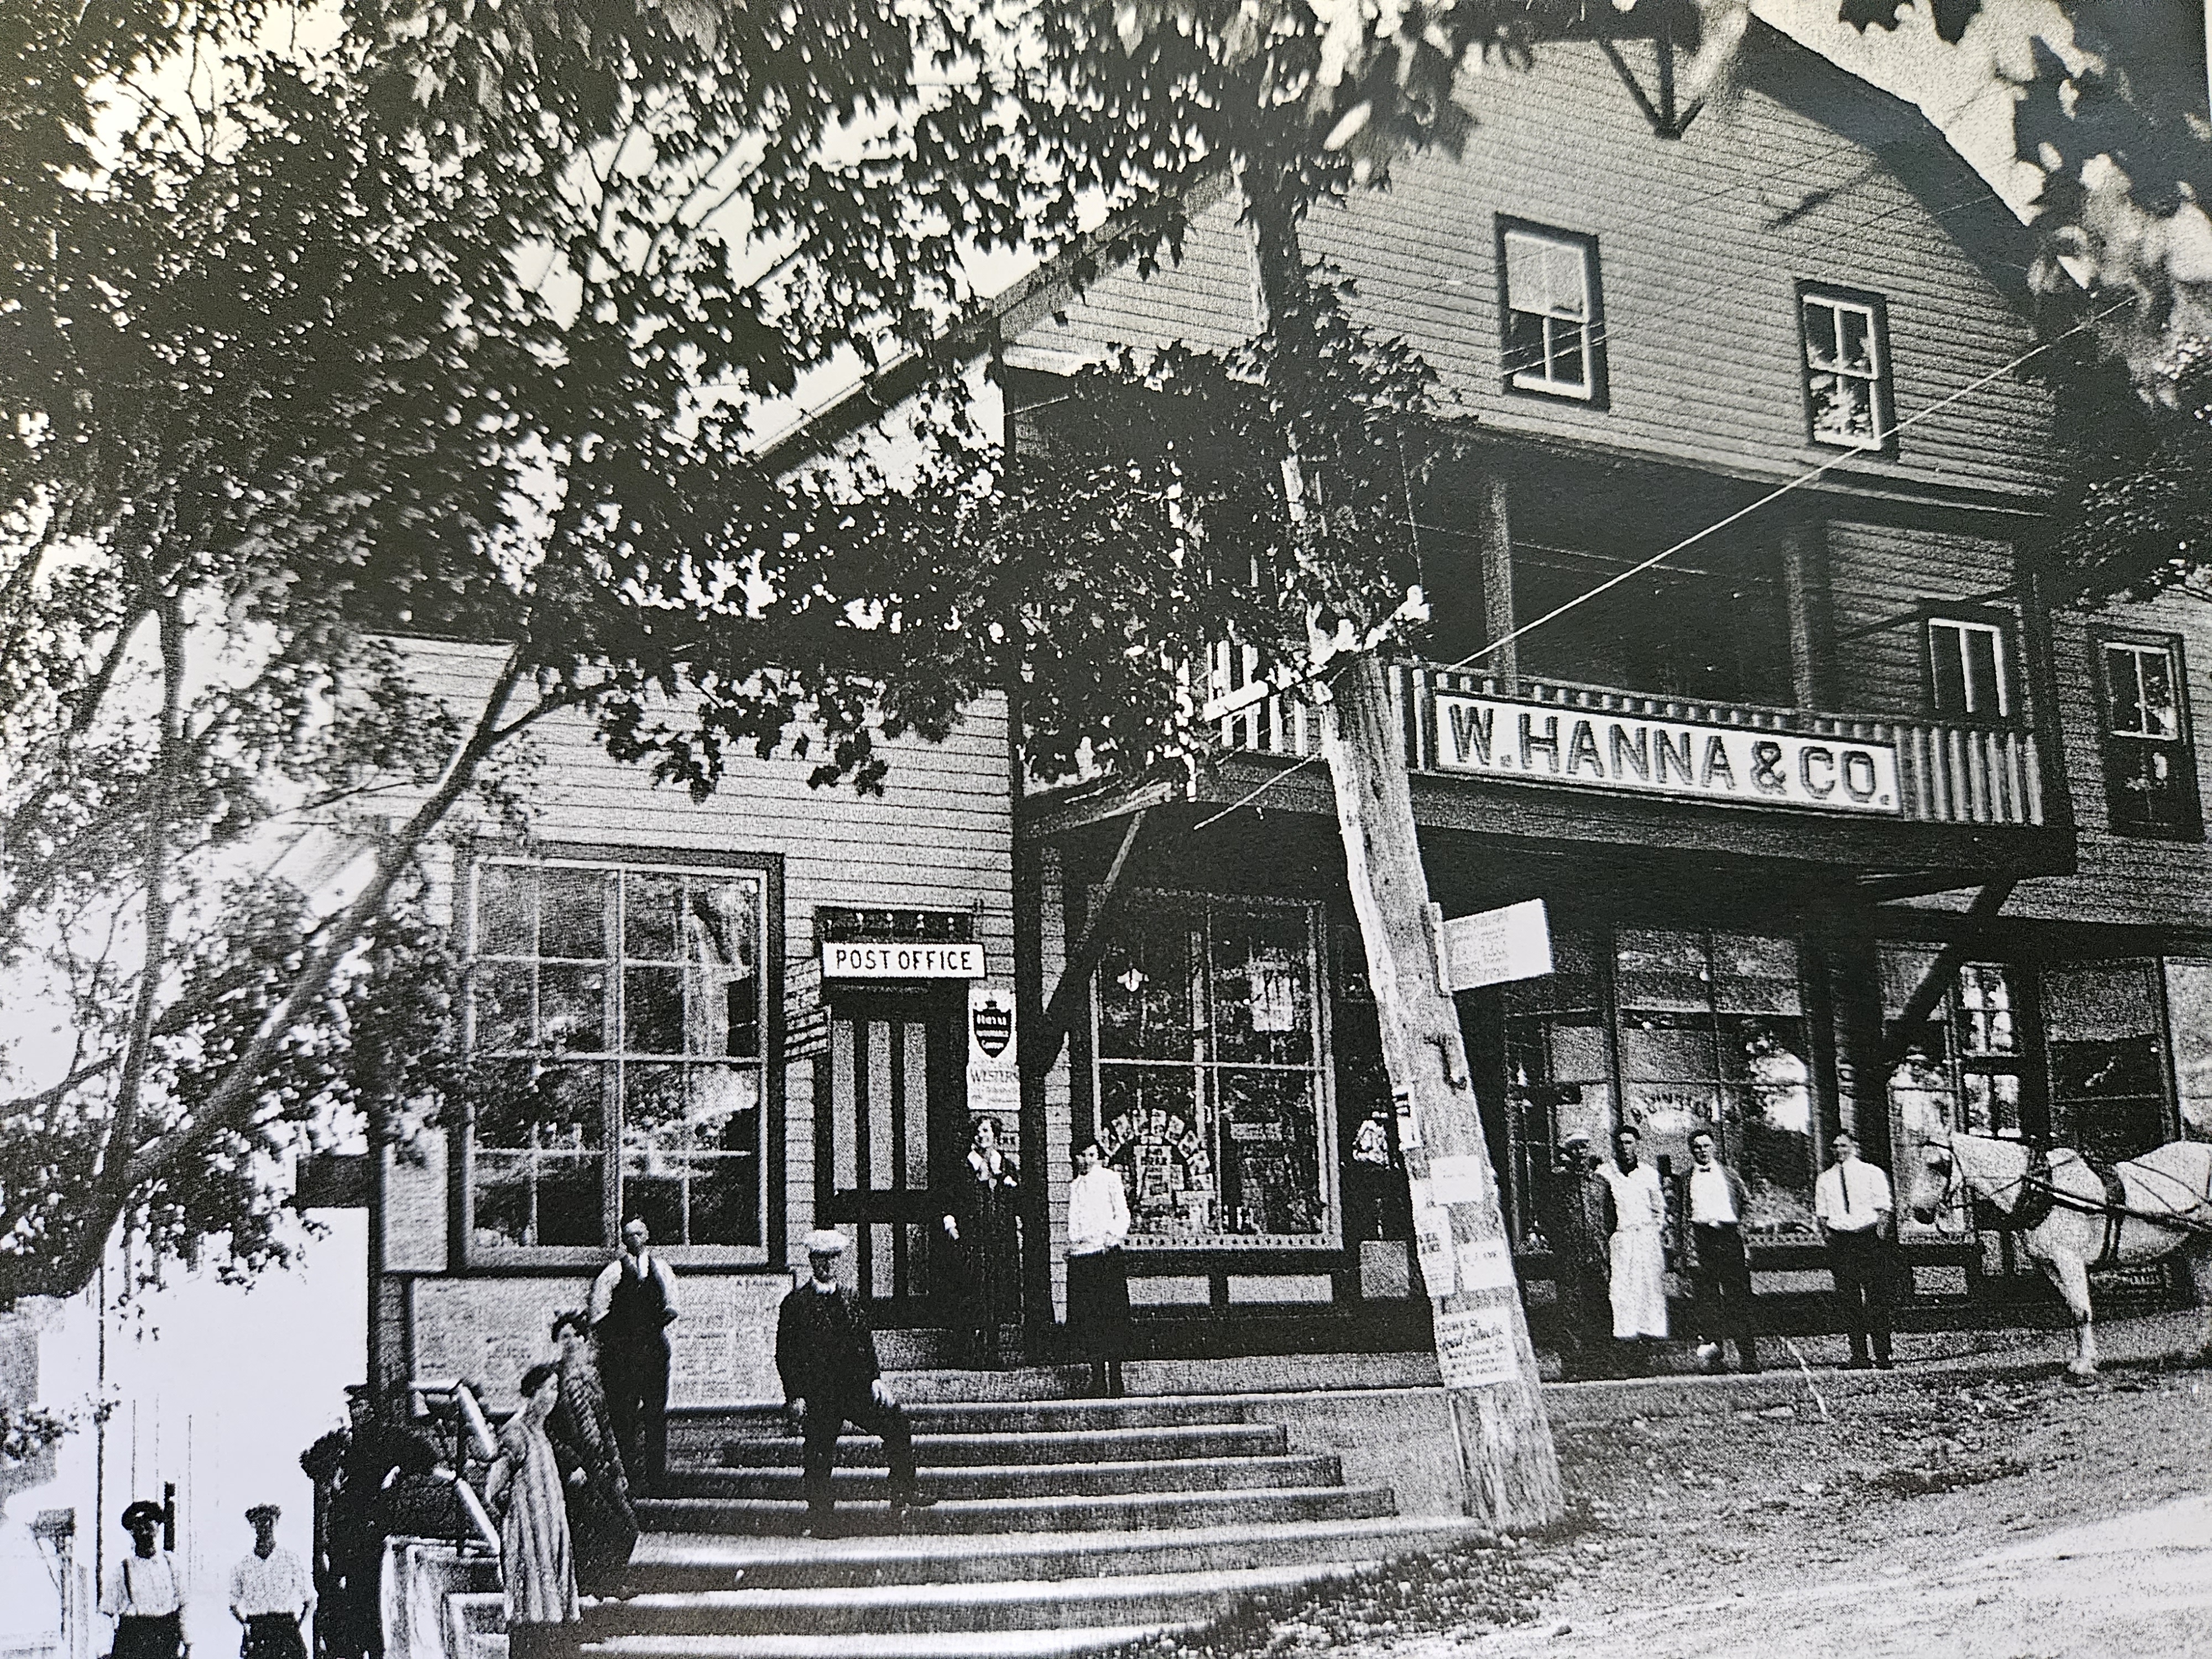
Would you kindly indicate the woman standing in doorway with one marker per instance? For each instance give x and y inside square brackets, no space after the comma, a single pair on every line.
[979,1219]
[536,1557]
[1098,1278]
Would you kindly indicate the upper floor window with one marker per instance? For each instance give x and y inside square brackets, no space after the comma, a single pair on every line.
[1554,325]
[1968,673]
[619,1016]
[1846,341]
[2150,767]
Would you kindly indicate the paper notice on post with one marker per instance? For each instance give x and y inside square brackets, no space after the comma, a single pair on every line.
[1474,1347]
[1433,1241]
[1462,1180]
[1484,1264]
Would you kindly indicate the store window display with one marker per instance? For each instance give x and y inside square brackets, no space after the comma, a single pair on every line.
[1212,1090]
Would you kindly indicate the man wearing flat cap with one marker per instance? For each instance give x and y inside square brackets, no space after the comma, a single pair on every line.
[269,1594]
[144,1593]
[826,1355]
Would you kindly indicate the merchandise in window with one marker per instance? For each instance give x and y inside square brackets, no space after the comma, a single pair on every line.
[2100,1033]
[2150,767]
[1847,393]
[2189,1018]
[617,1015]
[1212,1099]
[1967,677]
[1707,1029]
[1553,339]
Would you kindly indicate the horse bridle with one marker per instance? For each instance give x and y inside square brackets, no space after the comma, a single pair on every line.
[2023,1210]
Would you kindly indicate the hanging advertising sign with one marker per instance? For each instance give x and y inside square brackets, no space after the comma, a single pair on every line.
[994,1080]
[1494,946]
[886,959]
[1544,743]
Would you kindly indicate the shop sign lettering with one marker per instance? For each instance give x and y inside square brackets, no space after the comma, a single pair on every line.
[994,1081]
[1542,743]
[877,959]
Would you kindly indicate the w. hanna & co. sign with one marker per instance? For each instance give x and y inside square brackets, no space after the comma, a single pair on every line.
[1543,743]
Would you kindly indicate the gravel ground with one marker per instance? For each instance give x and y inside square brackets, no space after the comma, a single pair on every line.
[1926,1518]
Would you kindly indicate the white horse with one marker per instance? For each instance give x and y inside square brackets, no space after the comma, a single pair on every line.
[2072,1219]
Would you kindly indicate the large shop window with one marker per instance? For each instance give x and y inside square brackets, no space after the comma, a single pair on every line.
[619,1017]
[1701,1030]
[1213,1094]
[2189,1015]
[2100,1026]
[2150,767]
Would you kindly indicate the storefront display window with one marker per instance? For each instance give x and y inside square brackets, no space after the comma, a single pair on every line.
[2189,1014]
[2100,1031]
[618,1014]
[1698,1029]
[1213,1098]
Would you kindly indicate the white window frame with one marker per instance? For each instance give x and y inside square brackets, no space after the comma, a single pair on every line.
[2135,651]
[1875,378]
[1960,628]
[1554,316]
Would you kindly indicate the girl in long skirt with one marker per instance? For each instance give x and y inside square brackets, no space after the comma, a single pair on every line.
[1097,1282]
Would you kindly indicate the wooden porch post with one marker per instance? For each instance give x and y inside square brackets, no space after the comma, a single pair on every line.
[1493,529]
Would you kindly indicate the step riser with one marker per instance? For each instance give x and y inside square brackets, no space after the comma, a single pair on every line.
[1170,1554]
[1069,1481]
[1061,1515]
[1054,1645]
[964,1450]
[746,1423]
[1053,1607]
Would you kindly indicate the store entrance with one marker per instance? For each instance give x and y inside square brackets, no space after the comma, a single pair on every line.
[889,1130]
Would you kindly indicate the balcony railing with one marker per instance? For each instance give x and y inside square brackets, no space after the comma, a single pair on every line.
[1921,770]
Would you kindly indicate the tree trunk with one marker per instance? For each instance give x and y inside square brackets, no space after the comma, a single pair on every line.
[1489,1366]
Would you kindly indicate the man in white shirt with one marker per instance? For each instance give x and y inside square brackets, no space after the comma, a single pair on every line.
[1852,1202]
[143,1592]
[1712,1202]
[633,1304]
[270,1594]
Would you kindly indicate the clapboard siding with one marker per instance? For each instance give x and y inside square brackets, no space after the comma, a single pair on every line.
[2126,879]
[1702,241]
[939,838]
[1878,576]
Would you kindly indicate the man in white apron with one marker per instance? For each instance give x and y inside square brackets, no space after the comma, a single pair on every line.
[1639,1248]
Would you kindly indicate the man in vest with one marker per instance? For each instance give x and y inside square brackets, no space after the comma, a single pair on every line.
[633,1305]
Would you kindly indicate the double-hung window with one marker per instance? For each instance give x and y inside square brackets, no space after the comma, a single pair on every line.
[1968,674]
[2150,767]
[1554,322]
[619,1026]
[1847,386]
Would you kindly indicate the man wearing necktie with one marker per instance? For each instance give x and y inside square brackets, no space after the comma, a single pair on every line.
[1851,1201]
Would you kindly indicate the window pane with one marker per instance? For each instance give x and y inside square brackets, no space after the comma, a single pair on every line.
[1821,343]
[1985,687]
[1985,1009]
[538,1198]
[1771,1118]
[2127,713]
[1572,984]
[1991,1102]
[1655,1048]
[1947,660]
[500,992]
[1263,991]
[1524,271]
[1854,332]
[722,944]
[649,916]
[652,1010]
[572,1004]
[1146,990]
[507,910]
[1271,1163]
[1524,344]
[2161,709]
[1566,362]
[724,1201]
[574,912]
[656,1117]
[558,1106]
[1752,974]
[1151,1131]
[2189,1010]
[724,1113]
[1842,408]
[1662,969]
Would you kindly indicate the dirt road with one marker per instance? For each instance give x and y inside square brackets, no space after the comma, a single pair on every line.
[1934,1520]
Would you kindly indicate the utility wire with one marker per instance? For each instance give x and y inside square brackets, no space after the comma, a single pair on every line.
[1659,558]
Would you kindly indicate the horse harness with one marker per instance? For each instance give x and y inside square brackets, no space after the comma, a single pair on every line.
[2039,1196]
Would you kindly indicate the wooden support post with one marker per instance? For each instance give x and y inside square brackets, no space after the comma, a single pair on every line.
[1038,1054]
[1805,589]
[1504,1439]
[1493,532]
[1941,972]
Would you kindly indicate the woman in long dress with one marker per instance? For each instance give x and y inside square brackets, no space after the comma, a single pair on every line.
[1097,1277]
[535,1556]
[980,1221]
[601,1522]
[1638,1251]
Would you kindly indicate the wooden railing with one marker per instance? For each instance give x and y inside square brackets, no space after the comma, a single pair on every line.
[1947,773]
